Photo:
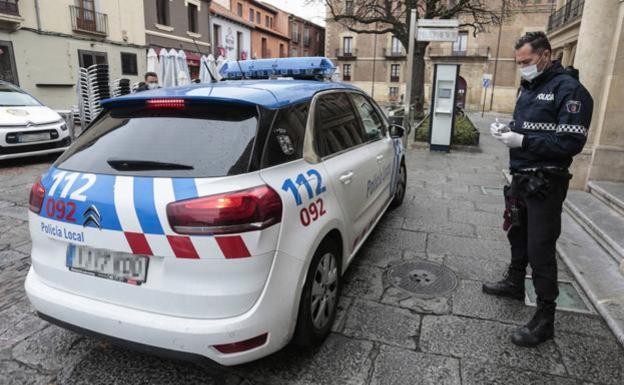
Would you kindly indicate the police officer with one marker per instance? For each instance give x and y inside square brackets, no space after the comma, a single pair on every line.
[550,123]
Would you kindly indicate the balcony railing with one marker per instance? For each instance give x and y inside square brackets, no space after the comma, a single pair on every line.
[87,20]
[346,55]
[452,52]
[9,7]
[393,54]
[571,11]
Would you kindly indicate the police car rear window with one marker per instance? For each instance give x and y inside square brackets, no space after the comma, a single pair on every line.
[201,140]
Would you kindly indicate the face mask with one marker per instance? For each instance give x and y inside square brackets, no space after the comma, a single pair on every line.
[152,86]
[529,72]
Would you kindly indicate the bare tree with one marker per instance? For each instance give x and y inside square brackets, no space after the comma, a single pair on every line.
[392,16]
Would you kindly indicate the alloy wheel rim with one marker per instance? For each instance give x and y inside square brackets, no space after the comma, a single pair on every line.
[402,180]
[324,291]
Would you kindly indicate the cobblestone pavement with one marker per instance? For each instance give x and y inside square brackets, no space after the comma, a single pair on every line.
[381,336]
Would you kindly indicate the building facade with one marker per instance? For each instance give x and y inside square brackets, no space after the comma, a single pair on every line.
[590,36]
[377,63]
[231,32]
[306,38]
[44,43]
[269,38]
[179,24]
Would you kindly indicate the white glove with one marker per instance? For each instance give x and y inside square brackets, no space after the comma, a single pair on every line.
[510,139]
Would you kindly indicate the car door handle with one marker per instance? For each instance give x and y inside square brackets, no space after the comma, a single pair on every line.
[346,177]
[379,158]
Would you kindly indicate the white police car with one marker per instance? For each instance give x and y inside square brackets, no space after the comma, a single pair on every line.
[27,127]
[214,220]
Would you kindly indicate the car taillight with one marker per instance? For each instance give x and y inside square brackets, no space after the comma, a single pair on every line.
[242,346]
[37,194]
[235,212]
[165,103]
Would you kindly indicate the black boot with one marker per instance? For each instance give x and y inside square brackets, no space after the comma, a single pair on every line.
[511,286]
[540,329]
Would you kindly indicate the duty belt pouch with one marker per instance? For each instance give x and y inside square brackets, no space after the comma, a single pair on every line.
[514,206]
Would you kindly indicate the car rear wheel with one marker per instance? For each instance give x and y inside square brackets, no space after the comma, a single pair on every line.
[319,300]
[399,194]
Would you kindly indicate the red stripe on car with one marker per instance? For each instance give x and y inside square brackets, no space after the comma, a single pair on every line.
[182,247]
[138,243]
[233,247]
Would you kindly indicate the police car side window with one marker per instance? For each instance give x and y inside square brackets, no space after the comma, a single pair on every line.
[371,121]
[336,126]
[285,140]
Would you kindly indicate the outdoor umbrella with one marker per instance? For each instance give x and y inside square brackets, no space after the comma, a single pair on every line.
[204,75]
[183,74]
[171,68]
[214,67]
[161,66]
[152,61]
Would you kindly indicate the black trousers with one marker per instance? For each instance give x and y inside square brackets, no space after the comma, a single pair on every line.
[533,241]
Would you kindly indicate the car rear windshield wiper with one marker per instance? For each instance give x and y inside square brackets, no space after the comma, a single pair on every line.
[144,165]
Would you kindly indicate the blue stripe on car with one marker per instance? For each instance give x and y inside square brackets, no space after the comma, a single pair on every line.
[184,188]
[145,206]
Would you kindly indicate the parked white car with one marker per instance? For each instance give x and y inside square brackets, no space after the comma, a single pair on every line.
[213,220]
[27,127]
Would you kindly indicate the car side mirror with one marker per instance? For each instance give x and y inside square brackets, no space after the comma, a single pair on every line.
[396,131]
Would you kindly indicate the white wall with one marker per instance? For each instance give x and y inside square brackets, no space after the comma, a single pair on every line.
[228,37]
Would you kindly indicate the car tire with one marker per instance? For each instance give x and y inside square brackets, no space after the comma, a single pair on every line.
[321,292]
[399,194]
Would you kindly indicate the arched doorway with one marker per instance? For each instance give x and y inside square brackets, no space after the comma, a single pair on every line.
[460,92]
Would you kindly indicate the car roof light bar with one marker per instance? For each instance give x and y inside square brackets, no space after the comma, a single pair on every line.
[319,68]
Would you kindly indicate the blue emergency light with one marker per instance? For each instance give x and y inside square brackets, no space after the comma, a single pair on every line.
[295,67]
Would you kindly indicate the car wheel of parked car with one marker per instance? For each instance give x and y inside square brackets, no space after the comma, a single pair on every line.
[399,194]
[319,299]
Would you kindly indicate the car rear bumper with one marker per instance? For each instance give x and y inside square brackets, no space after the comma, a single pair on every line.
[274,313]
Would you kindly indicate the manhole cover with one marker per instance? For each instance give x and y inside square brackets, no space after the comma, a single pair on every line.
[423,278]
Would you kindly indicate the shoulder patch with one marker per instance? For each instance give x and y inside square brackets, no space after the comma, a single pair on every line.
[573,106]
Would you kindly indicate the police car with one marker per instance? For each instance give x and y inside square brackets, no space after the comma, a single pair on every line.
[215,219]
[27,127]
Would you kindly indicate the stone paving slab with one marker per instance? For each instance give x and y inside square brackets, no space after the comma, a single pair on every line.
[486,340]
[476,372]
[450,245]
[395,366]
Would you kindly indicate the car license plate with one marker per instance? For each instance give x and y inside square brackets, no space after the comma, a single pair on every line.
[35,137]
[122,267]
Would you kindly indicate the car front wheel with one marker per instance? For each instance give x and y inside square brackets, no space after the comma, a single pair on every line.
[399,193]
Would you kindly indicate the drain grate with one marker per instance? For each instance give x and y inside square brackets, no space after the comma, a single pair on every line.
[423,278]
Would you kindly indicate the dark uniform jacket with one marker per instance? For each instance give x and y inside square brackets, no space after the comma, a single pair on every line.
[553,112]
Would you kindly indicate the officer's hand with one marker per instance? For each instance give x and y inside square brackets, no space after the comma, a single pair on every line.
[498,128]
[511,139]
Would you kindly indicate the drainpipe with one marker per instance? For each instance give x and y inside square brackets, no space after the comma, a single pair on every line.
[374,62]
[37,13]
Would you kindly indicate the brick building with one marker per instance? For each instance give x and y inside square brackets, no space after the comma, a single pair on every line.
[306,38]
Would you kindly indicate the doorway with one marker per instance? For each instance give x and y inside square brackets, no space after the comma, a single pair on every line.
[460,92]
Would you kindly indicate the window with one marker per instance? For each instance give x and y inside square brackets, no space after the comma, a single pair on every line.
[192,18]
[396,46]
[258,17]
[251,14]
[294,52]
[89,58]
[336,126]
[349,7]
[393,93]
[129,64]
[122,134]
[216,39]
[371,121]
[282,50]
[346,72]
[395,70]
[306,36]
[8,70]
[162,12]
[460,45]
[285,141]
[347,46]
[265,49]
[295,32]
[266,21]
[239,9]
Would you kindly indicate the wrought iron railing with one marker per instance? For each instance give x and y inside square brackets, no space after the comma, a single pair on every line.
[393,53]
[9,7]
[87,20]
[450,51]
[572,10]
[346,55]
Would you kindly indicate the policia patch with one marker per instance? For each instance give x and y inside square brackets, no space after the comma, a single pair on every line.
[573,106]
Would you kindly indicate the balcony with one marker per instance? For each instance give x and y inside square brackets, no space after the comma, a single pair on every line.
[441,52]
[394,55]
[349,55]
[306,41]
[571,11]
[88,21]
[295,37]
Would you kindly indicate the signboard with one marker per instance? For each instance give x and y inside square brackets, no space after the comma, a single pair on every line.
[437,34]
[438,23]
[486,80]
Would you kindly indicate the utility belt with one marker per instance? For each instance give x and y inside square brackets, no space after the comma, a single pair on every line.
[529,183]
